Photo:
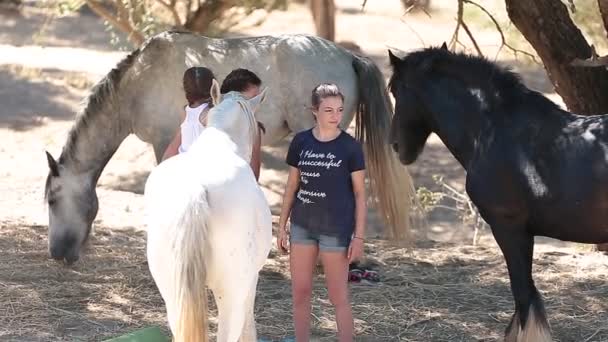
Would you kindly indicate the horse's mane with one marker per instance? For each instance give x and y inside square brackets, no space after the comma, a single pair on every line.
[500,85]
[102,94]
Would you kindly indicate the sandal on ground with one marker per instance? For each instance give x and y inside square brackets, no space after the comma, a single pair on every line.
[370,275]
[355,275]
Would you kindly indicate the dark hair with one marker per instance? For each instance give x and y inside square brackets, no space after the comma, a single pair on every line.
[322,91]
[239,80]
[197,84]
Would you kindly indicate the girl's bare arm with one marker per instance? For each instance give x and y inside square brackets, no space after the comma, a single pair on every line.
[358,179]
[293,182]
[256,161]
[173,147]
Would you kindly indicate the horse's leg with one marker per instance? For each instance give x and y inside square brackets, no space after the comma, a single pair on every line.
[230,296]
[157,257]
[529,322]
[249,331]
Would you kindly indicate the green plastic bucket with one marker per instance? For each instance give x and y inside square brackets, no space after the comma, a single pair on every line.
[151,334]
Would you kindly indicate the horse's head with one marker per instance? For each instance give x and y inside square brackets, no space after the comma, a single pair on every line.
[72,203]
[454,95]
[413,122]
[235,115]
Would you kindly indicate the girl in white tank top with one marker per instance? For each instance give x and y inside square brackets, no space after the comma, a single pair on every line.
[197,85]
[192,126]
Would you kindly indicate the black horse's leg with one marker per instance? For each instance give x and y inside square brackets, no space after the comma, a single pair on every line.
[529,322]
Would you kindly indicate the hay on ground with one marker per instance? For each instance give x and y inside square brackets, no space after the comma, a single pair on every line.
[435,293]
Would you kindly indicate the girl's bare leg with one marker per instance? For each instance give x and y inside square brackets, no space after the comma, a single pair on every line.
[335,266]
[303,259]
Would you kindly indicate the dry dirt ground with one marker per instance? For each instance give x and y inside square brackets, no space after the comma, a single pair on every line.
[444,290]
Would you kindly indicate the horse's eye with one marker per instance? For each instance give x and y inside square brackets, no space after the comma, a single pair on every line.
[52,201]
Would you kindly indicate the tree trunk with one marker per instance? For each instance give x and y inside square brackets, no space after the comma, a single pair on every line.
[210,10]
[547,26]
[603,5]
[324,16]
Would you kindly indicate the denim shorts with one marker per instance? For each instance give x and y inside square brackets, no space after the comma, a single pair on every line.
[326,243]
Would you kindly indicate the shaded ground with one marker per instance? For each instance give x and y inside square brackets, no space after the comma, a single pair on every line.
[443,291]
[425,295]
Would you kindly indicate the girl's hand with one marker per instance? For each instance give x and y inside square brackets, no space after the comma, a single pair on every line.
[283,241]
[355,249]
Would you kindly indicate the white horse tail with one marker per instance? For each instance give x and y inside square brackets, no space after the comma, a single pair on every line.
[390,182]
[191,272]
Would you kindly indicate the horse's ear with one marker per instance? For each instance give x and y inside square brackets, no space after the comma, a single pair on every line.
[394,59]
[444,46]
[256,101]
[216,96]
[52,164]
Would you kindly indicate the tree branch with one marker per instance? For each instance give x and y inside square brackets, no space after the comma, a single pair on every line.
[459,21]
[132,34]
[189,10]
[171,8]
[593,61]
[206,13]
[499,29]
[413,31]
[600,61]
[121,11]
[466,29]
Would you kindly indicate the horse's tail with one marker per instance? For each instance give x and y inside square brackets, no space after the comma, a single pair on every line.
[190,273]
[390,182]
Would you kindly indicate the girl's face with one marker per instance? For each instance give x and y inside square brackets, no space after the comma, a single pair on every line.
[329,113]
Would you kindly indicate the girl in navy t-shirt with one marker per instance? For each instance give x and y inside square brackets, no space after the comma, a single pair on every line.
[325,201]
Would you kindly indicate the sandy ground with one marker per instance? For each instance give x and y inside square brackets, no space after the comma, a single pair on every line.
[45,75]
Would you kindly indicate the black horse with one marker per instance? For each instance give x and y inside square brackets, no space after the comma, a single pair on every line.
[532,168]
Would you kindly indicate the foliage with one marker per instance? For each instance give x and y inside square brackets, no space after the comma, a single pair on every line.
[451,199]
[139,19]
[584,13]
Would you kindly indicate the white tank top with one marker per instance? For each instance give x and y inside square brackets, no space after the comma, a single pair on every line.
[192,127]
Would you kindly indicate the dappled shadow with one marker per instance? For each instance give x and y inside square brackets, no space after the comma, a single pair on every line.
[273,162]
[32,27]
[437,160]
[464,295]
[446,292]
[30,95]
[106,294]
[438,292]
[134,182]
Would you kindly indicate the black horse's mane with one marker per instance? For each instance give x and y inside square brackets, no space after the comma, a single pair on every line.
[500,85]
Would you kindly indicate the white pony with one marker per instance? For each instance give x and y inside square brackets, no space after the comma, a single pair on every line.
[209,224]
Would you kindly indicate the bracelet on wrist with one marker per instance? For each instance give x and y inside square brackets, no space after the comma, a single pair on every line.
[358,237]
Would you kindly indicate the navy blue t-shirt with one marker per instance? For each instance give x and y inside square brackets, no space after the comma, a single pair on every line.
[325,202]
